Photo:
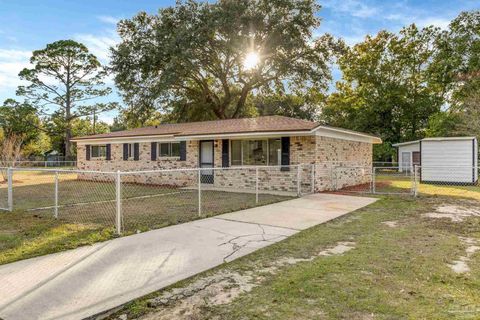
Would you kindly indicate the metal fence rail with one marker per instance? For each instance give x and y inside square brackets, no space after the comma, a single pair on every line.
[142,200]
[457,181]
[41,164]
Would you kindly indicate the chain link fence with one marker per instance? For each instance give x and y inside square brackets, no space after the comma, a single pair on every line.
[40,164]
[143,200]
[453,181]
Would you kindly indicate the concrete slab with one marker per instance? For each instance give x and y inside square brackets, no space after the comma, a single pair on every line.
[82,282]
[302,213]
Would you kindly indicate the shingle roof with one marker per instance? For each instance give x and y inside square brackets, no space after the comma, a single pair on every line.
[220,127]
[245,125]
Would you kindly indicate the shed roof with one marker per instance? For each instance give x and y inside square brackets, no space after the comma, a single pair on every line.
[433,139]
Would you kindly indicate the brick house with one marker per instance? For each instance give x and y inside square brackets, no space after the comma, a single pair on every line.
[236,143]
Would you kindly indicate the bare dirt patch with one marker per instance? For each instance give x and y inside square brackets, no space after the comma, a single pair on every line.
[453,212]
[460,265]
[391,224]
[222,288]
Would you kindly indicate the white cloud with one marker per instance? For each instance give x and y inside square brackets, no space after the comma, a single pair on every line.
[99,44]
[11,63]
[424,20]
[354,8]
[439,22]
[108,19]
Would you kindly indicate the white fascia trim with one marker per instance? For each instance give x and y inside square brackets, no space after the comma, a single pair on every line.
[448,138]
[345,135]
[405,143]
[320,130]
[246,135]
[131,139]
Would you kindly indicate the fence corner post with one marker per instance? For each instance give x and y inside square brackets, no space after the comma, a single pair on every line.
[313,178]
[374,172]
[299,191]
[118,198]
[415,181]
[199,192]
[55,212]
[256,185]
[10,188]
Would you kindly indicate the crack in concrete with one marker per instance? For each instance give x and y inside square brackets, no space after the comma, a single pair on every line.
[236,247]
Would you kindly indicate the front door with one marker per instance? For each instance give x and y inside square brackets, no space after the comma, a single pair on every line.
[206,161]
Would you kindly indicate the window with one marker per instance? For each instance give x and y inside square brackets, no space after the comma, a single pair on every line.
[275,152]
[169,149]
[99,151]
[130,153]
[256,152]
[236,153]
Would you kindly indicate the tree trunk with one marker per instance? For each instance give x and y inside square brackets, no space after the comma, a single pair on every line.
[68,118]
[68,144]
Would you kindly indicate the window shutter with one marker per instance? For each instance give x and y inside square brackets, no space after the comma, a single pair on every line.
[125,151]
[225,153]
[136,151]
[108,152]
[285,153]
[153,151]
[87,152]
[183,150]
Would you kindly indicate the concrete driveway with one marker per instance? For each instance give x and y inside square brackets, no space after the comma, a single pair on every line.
[83,282]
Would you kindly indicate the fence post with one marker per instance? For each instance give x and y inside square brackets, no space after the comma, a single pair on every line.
[55,212]
[313,178]
[299,191]
[118,193]
[10,188]
[199,192]
[256,185]
[374,172]
[415,186]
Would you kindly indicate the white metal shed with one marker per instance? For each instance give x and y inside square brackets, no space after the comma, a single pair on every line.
[442,160]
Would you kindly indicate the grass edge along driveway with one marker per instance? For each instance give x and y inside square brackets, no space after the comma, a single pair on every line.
[398,266]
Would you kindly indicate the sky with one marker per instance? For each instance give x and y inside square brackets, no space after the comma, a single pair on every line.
[28,25]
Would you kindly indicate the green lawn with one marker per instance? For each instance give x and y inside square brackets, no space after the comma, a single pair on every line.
[396,272]
[398,183]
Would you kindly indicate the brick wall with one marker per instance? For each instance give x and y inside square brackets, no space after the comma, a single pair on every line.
[328,154]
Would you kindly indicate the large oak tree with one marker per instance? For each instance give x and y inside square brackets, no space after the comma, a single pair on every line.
[189,61]
[387,88]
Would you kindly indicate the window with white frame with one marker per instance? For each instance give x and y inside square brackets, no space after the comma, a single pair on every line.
[256,152]
[98,151]
[168,149]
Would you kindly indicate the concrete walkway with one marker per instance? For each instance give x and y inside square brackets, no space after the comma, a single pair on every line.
[79,283]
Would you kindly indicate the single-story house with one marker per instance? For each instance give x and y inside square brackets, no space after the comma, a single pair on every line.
[249,142]
[442,159]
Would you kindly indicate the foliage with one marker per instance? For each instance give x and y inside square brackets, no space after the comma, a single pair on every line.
[188,60]
[290,105]
[442,124]
[386,88]
[19,119]
[65,77]
[469,116]
[37,147]
[456,68]
[84,127]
